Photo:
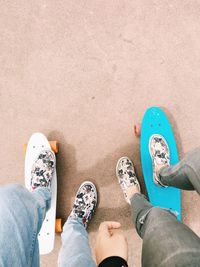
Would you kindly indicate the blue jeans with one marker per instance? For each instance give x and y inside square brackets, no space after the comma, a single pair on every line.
[75,250]
[21,217]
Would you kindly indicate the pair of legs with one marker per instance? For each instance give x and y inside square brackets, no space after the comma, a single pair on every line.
[166,242]
[22,212]
[21,217]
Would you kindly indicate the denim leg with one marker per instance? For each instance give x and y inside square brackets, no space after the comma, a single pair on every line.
[75,250]
[21,217]
[166,241]
[184,175]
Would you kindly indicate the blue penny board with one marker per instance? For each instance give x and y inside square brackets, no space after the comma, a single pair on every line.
[156,122]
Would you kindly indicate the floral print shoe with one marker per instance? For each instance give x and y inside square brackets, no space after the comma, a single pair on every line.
[159,151]
[125,173]
[43,169]
[85,203]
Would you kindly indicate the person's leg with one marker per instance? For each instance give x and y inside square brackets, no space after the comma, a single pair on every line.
[75,250]
[21,217]
[22,213]
[184,175]
[166,241]
[125,172]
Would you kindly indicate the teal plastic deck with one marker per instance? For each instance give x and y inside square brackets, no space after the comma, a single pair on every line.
[156,122]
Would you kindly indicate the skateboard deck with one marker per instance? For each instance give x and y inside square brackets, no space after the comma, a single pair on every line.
[36,144]
[156,122]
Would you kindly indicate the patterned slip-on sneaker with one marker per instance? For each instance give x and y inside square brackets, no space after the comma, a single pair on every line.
[125,173]
[43,169]
[159,152]
[85,203]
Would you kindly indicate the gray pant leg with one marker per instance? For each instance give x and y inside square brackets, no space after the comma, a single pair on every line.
[166,241]
[140,207]
[184,175]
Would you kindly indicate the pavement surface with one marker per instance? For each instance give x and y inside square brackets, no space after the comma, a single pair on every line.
[83,72]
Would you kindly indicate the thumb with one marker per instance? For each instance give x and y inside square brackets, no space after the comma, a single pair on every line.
[109,225]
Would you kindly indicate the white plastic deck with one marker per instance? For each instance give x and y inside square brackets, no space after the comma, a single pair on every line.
[36,144]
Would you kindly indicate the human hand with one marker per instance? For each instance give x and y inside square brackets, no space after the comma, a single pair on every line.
[110,242]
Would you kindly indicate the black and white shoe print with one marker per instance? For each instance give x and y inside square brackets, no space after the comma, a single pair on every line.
[43,169]
[159,152]
[125,173]
[85,203]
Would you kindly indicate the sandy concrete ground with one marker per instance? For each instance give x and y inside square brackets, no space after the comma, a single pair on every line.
[83,72]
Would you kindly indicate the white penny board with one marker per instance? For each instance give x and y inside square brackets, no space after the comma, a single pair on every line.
[36,144]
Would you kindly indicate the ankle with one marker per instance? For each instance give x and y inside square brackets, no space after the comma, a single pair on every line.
[132,190]
[158,173]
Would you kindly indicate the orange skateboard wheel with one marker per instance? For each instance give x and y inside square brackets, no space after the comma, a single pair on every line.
[137,130]
[53,144]
[25,147]
[58,225]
